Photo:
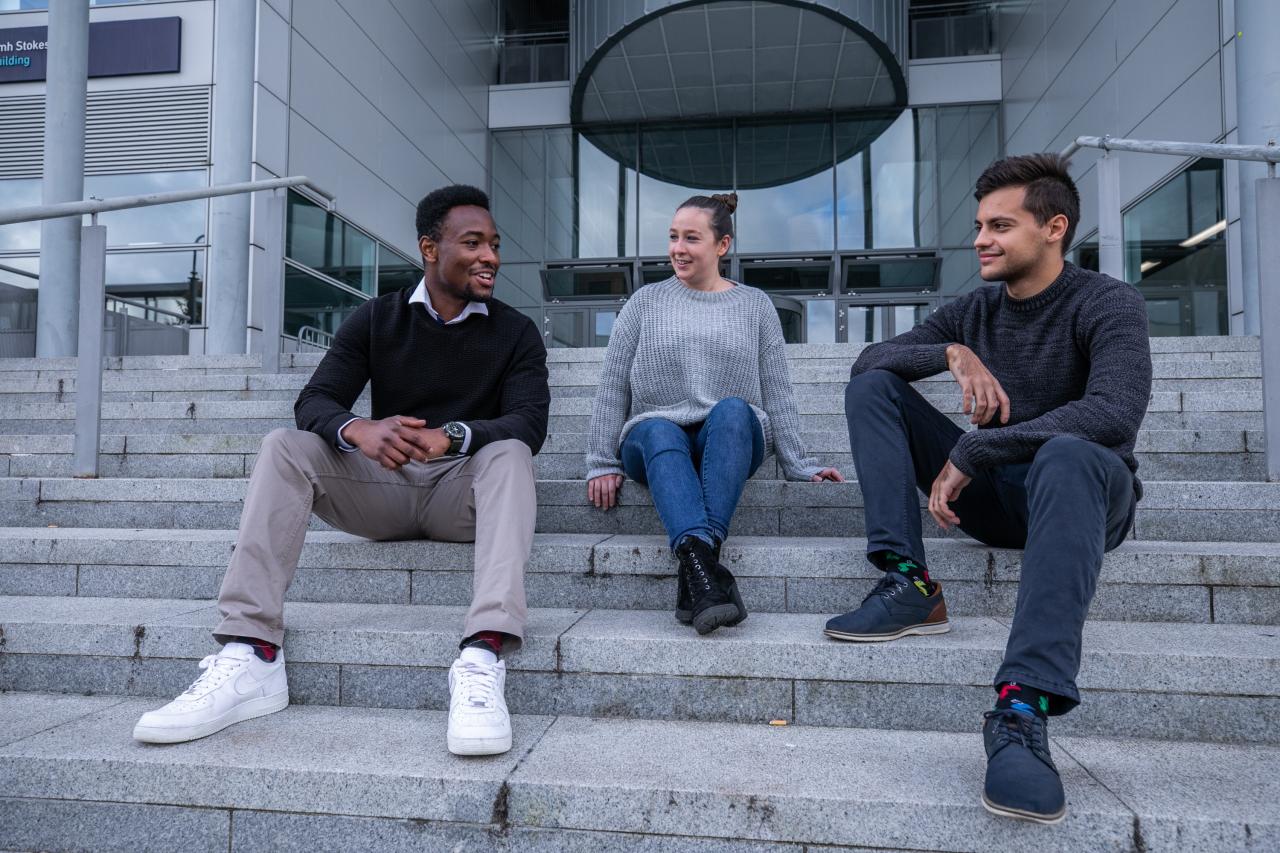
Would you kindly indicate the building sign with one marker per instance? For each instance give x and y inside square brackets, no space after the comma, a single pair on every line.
[116,49]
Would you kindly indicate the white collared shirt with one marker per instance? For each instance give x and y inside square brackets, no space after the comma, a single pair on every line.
[421,295]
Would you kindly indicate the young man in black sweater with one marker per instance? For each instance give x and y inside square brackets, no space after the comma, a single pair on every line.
[1055,370]
[460,403]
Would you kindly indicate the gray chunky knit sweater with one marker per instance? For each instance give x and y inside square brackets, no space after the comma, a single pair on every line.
[675,352]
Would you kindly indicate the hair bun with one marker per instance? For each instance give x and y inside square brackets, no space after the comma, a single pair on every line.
[729,200]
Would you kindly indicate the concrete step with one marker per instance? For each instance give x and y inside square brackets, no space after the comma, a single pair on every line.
[1228,582]
[637,663]
[1212,511]
[325,778]
[1162,454]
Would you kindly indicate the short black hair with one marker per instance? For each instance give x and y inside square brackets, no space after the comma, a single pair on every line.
[1049,188]
[435,206]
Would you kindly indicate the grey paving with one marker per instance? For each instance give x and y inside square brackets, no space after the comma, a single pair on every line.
[306,759]
[47,824]
[26,714]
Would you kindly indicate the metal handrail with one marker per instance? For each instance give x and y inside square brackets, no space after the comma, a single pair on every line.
[96,206]
[314,337]
[93,295]
[145,307]
[1111,247]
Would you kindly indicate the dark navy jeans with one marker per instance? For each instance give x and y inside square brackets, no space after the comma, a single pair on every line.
[696,473]
[1074,501]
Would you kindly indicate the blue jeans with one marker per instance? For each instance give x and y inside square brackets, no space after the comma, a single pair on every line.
[1074,501]
[696,473]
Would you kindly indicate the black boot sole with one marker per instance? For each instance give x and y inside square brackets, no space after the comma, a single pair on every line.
[685,617]
[716,616]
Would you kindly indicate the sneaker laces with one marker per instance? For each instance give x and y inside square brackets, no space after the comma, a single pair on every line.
[475,684]
[217,669]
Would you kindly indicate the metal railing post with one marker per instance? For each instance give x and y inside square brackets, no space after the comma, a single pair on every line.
[93,268]
[1110,222]
[1268,217]
[273,294]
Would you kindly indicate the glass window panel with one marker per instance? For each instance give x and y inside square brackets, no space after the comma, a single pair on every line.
[184,222]
[884,180]
[820,321]
[578,283]
[605,196]
[785,187]
[604,320]
[310,301]
[775,276]
[1175,250]
[968,142]
[890,274]
[517,167]
[907,317]
[791,315]
[561,195]
[865,323]
[173,281]
[677,163]
[1164,317]
[20,192]
[958,271]
[18,306]
[328,245]
[564,328]
[395,272]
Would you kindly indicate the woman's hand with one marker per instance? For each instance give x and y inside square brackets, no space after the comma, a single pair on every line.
[603,490]
[827,474]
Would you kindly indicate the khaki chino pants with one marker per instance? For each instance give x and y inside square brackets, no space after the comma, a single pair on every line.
[487,498]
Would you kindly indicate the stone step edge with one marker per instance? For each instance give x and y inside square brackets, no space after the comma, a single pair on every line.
[1244,564]
[654,778]
[1156,658]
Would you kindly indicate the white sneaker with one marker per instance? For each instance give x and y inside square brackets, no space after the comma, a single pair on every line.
[234,686]
[478,720]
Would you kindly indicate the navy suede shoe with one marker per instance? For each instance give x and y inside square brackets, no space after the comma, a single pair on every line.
[893,609]
[1022,780]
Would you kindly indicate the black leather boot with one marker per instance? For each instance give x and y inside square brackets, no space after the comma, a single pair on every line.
[707,588]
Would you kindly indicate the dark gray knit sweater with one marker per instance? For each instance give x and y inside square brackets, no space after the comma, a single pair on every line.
[1074,359]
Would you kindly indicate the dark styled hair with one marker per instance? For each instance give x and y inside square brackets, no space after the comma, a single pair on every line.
[1049,188]
[721,207]
[433,209]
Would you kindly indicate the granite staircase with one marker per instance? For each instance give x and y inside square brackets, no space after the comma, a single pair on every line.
[631,732]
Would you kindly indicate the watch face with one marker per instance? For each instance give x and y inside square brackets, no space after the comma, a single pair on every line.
[453,429]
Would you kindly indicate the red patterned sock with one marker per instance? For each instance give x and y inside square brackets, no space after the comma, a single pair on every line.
[264,650]
[490,639]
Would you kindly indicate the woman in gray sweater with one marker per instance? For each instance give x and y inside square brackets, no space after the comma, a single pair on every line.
[693,393]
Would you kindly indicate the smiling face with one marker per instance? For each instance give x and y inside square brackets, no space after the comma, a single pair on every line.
[693,248]
[1011,244]
[464,262]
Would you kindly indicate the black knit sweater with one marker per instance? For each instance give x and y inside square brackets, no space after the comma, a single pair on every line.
[1074,359]
[489,372]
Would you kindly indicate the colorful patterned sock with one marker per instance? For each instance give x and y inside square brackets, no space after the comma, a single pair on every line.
[1023,698]
[491,640]
[264,650]
[890,561]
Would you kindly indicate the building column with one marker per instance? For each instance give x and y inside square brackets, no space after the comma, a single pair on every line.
[227,285]
[1258,121]
[66,89]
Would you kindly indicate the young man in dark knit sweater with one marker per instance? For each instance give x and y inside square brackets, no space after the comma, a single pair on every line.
[1054,365]
[460,403]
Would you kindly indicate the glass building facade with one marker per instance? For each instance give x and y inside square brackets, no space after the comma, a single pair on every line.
[856,224]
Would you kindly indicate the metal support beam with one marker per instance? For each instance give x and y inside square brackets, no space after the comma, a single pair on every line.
[1257,89]
[227,285]
[1110,224]
[93,271]
[272,296]
[1268,208]
[63,178]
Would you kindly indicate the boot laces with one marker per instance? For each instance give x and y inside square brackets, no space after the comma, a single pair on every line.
[699,574]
